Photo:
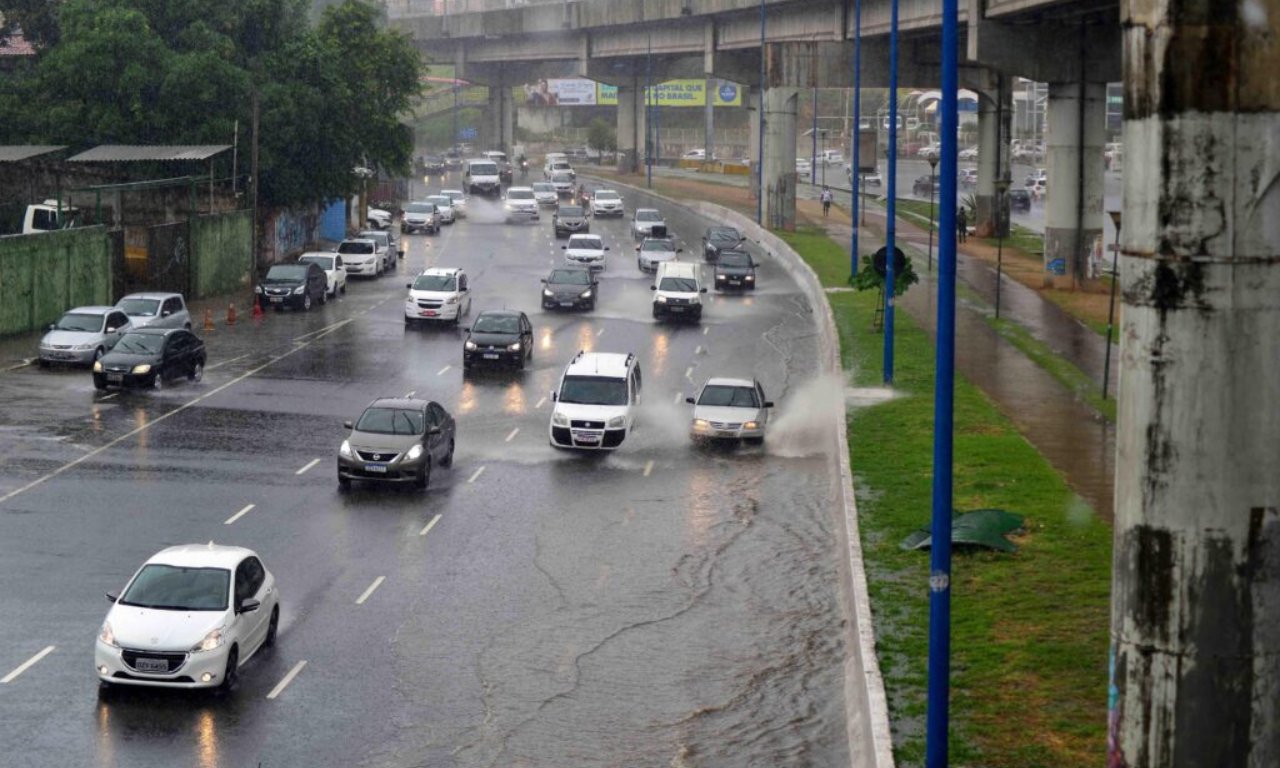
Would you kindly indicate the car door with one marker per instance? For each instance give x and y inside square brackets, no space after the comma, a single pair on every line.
[248,626]
[319,281]
[339,274]
[526,334]
[170,357]
[464,294]
[116,325]
[433,443]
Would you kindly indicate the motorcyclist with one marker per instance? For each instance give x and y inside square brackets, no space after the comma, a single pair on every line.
[583,197]
[524,165]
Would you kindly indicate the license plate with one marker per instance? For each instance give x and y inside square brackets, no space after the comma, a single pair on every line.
[379,468]
[151,665]
[677,309]
[428,313]
[277,299]
[588,439]
[735,282]
[566,303]
[725,433]
[116,377]
[489,356]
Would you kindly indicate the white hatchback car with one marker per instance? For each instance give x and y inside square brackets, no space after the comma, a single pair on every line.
[458,201]
[587,250]
[607,202]
[439,293]
[335,273]
[730,409]
[189,618]
[444,207]
[644,220]
[545,193]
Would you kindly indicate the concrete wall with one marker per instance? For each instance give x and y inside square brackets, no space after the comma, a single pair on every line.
[42,276]
[221,253]
[287,233]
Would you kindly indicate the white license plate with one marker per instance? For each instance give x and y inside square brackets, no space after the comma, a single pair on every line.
[116,377]
[490,356]
[588,439]
[379,468]
[277,299]
[677,309]
[566,303]
[735,282]
[151,665]
[725,433]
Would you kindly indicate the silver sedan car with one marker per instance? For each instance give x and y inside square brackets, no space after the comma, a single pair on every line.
[83,335]
[730,409]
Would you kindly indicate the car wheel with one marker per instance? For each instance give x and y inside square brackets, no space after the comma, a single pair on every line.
[197,371]
[343,288]
[408,322]
[306,302]
[344,483]
[99,383]
[157,381]
[272,628]
[424,476]
[447,459]
[520,363]
[231,675]
[97,355]
[45,363]
[754,440]
[105,690]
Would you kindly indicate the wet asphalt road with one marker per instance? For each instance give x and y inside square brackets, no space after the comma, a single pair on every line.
[662,605]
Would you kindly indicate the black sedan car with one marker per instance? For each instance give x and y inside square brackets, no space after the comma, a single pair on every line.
[498,337]
[151,357]
[293,285]
[922,186]
[397,440]
[1020,200]
[717,239]
[433,165]
[570,287]
[735,269]
[570,219]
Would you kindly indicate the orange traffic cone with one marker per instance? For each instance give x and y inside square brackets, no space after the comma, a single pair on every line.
[208,319]
[231,314]
[257,308]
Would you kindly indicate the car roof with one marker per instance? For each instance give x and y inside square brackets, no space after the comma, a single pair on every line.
[149,295]
[443,271]
[647,210]
[358,240]
[611,364]
[584,236]
[606,189]
[407,403]
[451,192]
[202,556]
[679,269]
[500,313]
[95,310]
[145,331]
[727,382]
[372,234]
[326,254]
[520,189]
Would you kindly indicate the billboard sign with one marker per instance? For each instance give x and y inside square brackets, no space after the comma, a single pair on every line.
[682,93]
[560,92]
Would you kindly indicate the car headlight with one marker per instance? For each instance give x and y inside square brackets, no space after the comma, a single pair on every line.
[661,299]
[414,453]
[751,425]
[451,300]
[210,642]
[513,347]
[701,424]
[299,290]
[97,366]
[344,450]
[722,277]
[559,419]
[749,277]
[547,292]
[616,421]
[83,347]
[585,294]
[257,289]
[138,370]
[106,635]
[469,345]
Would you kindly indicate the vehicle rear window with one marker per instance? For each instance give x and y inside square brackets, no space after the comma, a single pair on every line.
[496,324]
[73,321]
[139,307]
[175,588]
[391,421]
[357,248]
[587,243]
[569,277]
[738,397]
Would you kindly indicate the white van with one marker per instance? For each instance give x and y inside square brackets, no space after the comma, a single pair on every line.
[481,178]
[596,401]
[678,291]
[48,217]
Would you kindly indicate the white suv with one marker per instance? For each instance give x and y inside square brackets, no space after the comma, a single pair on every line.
[439,293]
[596,401]
[587,250]
[678,291]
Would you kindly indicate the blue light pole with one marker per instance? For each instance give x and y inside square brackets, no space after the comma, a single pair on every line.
[760,143]
[937,718]
[855,175]
[648,114]
[891,223]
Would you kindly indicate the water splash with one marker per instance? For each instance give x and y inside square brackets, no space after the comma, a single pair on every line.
[804,423]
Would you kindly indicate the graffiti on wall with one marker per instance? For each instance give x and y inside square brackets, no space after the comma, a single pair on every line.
[289,233]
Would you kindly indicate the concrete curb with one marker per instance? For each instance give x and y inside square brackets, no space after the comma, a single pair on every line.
[869,736]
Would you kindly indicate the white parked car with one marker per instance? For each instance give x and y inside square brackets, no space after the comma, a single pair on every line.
[607,202]
[420,215]
[189,618]
[444,208]
[439,293]
[379,218]
[596,401]
[360,257]
[969,153]
[458,202]
[334,272]
[83,335]
[730,409]
[156,310]
[587,250]
[803,166]
[694,154]
[383,244]
[545,193]
[519,204]
[644,220]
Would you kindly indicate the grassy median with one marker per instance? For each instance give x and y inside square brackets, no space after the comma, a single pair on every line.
[1029,633]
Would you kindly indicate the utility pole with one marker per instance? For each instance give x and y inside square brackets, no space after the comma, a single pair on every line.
[253,169]
[1195,591]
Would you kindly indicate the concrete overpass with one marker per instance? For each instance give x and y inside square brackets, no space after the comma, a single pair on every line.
[1073,45]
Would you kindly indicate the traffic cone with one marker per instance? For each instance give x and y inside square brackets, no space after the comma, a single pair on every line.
[208,319]
[231,314]
[257,309]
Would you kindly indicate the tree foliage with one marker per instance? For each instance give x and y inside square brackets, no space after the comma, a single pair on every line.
[602,136]
[185,72]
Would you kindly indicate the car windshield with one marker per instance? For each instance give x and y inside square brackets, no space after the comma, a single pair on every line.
[586,243]
[569,277]
[591,390]
[286,273]
[496,324]
[735,259]
[648,216]
[543,186]
[139,307]
[724,236]
[391,421]
[569,210]
[435,283]
[737,397]
[175,588]
[356,248]
[140,343]
[561,177]
[324,262]
[657,245]
[442,200]
[520,194]
[606,196]
[73,321]
[419,208]
[679,284]
[484,169]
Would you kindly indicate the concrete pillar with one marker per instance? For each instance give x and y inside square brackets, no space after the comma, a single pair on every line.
[1074,143]
[1195,617]
[502,112]
[993,156]
[631,127]
[752,100]
[709,138]
[780,105]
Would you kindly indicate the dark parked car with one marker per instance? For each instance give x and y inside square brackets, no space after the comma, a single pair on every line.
[294,285]
[736,269]
[922,186]
[397,440]
[498,337]
[570,219]
[1020,200]
[433,165]
[719,239]
[149,357]
[569,288]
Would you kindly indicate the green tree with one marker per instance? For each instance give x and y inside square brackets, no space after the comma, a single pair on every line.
[602,136]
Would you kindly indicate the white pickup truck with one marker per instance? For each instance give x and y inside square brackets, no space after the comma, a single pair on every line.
[48,217]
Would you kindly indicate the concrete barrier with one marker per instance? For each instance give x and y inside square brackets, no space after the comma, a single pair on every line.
[869,736]
[45,274]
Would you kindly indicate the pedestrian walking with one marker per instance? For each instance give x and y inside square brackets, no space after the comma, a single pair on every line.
[962,225]
[826,201]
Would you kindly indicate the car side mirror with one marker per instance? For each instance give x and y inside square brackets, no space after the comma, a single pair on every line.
[166,313]
[53,326]
[348,425]
[543,281]
[248,605]
[637,249]
[704,290]
[606,247]
[679,250]
[689,400]
[554,396]
[409,286]
[653,287]
[564,247]
[768,403]
[112,596]
[434,430]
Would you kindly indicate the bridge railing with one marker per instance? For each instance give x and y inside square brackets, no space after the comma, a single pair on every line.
[403,8]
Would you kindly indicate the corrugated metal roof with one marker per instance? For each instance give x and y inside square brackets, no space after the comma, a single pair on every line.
[123,153]
[14,153]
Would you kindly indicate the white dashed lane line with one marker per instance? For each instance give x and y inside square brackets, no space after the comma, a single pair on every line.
[247,508]
[706,329]
[540,403]
[443,370]
[427,528]
[307,466]
[599,331]
[648,467]
[114,394]
[678,398]
[287,679]
[475,475]
[409,394]
[512,435]
[28,664]
[372,588]
[688,374]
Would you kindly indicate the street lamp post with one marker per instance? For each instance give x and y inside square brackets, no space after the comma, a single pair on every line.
[1002,186]
[1111,309]
[933,177]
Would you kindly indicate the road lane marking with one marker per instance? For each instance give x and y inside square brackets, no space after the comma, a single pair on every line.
[648,467]
[365,596]
[240,514]
[427,528]
[409,394]
[706,329]
[477,473]
[287,679]
[688,374]
[443,370]
[227,362]
[28,664]
[513,434]
[540,403]
[317,333]
[599,331]
[167,415]
[108,397]
[307,466]
[678,394]
[697,350]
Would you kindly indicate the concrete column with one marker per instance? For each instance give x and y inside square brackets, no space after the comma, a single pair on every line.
[993,156]
[1074,143]
[1195,617]
[709,140]
[780,105]
[752,100]
[631,127]
[503,114]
